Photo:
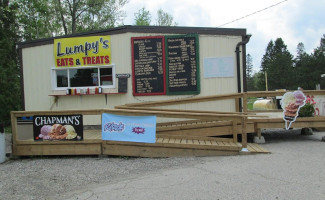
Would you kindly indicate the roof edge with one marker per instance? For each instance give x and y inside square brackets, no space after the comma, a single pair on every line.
[141,29]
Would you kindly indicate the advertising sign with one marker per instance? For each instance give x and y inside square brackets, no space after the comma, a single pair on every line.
[57,127]
[291,104]
[129,128]
[82,51]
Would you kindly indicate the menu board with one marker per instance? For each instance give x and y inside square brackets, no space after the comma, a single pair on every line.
[148,65]
[182,62]
[122,85]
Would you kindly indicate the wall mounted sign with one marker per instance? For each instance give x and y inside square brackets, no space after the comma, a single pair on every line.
[291,104]
[148,65]
[219,67]
[57,127]
[182,63]
[82,51]
[129,128]
[122,75]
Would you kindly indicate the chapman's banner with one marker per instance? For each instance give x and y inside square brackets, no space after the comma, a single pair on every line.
[129,128]
[58,127]
[82,51]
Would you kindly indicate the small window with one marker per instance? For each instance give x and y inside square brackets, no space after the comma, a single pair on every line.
[62,78]
[106,76]
[84,77]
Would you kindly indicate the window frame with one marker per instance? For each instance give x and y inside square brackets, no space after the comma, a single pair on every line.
[55,69]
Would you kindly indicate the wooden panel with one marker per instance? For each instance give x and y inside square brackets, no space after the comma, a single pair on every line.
[255,148]
[170,143]
[123,150]
[60,149]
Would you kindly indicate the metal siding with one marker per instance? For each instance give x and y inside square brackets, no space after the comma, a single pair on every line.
[37,62]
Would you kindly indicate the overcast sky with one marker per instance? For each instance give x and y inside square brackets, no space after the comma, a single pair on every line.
[293,20]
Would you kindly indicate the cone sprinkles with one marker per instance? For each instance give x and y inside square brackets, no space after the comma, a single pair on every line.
[291,104]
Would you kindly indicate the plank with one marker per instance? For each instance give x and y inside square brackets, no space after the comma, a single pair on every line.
[159,140]
[121,150]
[172,140]
[58,149]
[259,148]
[177,140]
[202,142]
[196,142]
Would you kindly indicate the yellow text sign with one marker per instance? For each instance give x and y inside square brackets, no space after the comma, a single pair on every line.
[82,51]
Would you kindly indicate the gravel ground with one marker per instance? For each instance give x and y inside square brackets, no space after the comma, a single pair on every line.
[41,177]
[44,177]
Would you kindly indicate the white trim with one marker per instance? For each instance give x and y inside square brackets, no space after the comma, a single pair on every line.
[54,77]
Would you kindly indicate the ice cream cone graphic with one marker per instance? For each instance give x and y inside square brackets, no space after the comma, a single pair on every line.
[291,104]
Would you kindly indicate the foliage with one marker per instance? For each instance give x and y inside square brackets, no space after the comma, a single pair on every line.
[142,17]
[85,15]
[277,62]
[36,19]
[285,72]
[308,110]
[249,73]
[165,19]
[9,69]
[49,18]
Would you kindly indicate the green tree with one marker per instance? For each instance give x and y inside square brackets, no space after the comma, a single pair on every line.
[317,66]
[37,19]
[249,73]
[277,62]
[84,15]
[49,18]
[9,70]
[142,17]
[165,19]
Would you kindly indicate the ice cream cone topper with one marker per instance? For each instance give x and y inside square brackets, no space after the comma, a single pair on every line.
[291,104]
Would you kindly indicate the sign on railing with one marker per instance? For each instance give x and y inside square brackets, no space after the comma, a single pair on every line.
[57,127]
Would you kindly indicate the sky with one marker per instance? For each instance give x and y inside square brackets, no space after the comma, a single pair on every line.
[293,20]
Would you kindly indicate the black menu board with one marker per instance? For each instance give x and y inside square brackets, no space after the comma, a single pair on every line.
[182,62]
[148,65]
[122,85]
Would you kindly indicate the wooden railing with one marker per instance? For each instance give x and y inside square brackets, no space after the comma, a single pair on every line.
[150,108]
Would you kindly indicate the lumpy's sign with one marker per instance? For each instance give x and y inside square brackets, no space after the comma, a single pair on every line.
[82,51]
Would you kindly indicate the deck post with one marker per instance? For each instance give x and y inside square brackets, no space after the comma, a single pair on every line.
[234,129]
[244,134]
[245,102]
[14,128]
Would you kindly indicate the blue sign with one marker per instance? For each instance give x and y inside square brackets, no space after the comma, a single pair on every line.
[129,128]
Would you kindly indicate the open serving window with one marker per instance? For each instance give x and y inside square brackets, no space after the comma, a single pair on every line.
[99,76]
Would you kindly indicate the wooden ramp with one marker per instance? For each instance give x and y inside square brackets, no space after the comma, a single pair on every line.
[178,146]
[165,146]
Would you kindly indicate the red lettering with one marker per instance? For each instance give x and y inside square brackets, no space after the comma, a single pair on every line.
[84,59]
[88,60]
[71,61]
[106,59]
[94,60]
[63,61]
[98,60]
[58,62]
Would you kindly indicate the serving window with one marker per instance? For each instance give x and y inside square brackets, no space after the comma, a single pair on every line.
[102,76]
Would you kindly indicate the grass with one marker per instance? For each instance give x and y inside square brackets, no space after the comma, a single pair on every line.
[250,102]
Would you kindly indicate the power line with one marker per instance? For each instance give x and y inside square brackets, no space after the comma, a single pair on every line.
[253,13]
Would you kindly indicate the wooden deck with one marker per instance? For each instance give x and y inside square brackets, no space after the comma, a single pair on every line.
[165,146]
[192,132]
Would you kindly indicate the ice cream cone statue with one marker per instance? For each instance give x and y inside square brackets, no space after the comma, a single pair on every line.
[291,104]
